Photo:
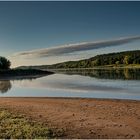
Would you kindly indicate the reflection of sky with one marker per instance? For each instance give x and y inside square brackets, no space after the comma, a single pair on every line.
[59,85]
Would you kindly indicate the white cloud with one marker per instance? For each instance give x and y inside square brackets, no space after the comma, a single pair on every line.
[71,48]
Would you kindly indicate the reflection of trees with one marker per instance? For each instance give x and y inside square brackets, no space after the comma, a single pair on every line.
[129,74]
[5,86]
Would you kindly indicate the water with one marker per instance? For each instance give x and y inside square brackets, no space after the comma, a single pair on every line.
[99,83]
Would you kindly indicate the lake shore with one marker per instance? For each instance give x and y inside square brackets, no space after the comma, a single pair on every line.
[130,66]
[80,118]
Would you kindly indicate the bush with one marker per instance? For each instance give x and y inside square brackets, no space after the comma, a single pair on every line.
[14,126]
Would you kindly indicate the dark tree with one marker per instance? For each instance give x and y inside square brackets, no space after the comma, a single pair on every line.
[4,63]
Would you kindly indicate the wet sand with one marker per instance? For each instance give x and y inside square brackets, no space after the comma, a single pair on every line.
[81,118]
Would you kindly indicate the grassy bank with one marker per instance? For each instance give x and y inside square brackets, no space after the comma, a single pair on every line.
[122,66]
[18,127]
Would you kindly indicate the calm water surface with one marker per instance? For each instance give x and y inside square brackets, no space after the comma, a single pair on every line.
[118,84]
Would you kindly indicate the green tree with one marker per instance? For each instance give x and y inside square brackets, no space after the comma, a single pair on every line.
[126,60]
[4,63]
[117,63]
[95,62]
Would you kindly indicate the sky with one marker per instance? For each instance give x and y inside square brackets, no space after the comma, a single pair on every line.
[35,33]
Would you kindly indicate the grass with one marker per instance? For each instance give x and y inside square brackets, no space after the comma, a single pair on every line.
[126,66]
[119,66]
[18,127]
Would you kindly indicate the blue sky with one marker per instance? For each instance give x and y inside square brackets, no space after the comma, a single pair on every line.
[26,26]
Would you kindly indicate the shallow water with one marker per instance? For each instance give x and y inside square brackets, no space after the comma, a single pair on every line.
[116,84]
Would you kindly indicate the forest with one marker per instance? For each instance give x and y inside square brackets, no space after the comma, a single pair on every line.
[111,60]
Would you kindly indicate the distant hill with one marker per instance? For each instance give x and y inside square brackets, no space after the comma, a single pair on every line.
[111,59]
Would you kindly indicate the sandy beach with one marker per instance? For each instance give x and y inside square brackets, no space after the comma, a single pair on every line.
[81,118]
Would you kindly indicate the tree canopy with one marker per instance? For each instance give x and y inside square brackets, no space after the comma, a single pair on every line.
[111,59]
[4,63]
[124,58]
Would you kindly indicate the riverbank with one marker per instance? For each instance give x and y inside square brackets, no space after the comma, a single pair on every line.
[130,66]
[80,118]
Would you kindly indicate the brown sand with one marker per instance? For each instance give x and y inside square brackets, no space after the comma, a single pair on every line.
[81,118]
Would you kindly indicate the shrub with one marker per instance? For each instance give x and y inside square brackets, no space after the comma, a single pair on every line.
[18,127]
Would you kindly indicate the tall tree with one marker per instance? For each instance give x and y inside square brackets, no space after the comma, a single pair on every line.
[4,63]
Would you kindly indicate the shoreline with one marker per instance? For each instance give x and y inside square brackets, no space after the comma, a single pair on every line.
[96,68]
[80,117]
[72,98]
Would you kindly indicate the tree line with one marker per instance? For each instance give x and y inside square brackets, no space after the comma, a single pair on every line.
[125,58]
